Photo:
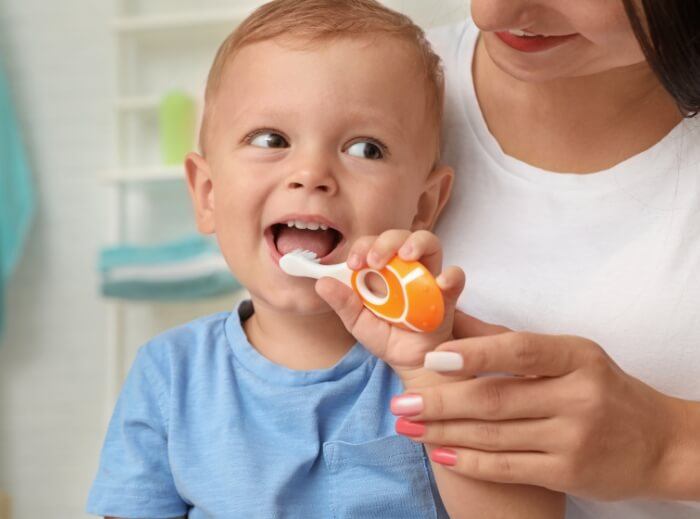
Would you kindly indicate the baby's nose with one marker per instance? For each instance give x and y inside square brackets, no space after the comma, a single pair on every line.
[314,177]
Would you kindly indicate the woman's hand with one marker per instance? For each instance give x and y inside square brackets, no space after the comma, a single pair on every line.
[403,350]
[570,420]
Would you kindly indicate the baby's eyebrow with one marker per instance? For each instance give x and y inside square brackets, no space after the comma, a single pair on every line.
[371,119]
[376,119]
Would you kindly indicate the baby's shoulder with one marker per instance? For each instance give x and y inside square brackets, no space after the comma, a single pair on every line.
[197,344]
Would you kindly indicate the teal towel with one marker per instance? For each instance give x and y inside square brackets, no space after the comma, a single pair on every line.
[189,268]
[16,192]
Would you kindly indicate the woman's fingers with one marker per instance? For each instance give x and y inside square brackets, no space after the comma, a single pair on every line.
[519,353]
[466,326]
[485,398]
[531,468]
[509,435]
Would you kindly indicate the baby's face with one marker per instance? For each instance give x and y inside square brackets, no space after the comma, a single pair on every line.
[313,147]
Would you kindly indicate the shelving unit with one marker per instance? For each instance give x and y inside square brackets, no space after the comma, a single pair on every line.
[160,45]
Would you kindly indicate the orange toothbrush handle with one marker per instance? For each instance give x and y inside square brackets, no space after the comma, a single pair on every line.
[413,300]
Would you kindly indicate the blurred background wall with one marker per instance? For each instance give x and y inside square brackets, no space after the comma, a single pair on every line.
[54,400]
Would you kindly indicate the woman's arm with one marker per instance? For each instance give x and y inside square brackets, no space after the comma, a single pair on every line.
[582,425]
[467,497]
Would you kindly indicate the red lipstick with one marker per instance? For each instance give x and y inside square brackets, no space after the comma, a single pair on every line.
[532,43]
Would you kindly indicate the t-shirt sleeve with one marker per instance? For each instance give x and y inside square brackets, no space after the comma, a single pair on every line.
[134,478]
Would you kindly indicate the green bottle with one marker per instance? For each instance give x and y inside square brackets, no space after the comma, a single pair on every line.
[176,119]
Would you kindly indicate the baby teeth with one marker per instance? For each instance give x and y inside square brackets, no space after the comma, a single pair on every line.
[312,226]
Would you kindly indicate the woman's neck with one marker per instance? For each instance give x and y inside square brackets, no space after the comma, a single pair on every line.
[578,125]
[301,342]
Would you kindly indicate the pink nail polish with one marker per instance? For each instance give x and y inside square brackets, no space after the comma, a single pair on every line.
[409,428]
[407,405]
[444,457]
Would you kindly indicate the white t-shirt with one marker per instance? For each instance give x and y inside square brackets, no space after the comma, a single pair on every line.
[612,256]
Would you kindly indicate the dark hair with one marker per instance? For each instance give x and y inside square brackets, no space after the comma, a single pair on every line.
[669,34]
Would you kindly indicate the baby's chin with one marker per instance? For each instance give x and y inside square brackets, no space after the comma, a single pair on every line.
[301,300]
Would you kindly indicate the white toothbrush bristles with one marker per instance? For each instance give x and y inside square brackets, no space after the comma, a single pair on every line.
[298,262]
[306,254]
[305,263]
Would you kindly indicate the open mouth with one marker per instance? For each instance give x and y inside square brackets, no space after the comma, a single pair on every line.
[312,234]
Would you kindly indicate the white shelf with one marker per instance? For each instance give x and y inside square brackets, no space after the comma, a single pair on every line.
[159,22]
[145,174]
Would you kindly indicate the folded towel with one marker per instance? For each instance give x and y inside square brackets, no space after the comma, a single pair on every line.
[16,192]
[190,268]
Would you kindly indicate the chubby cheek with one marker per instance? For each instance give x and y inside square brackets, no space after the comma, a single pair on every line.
[391,206]
[237,216]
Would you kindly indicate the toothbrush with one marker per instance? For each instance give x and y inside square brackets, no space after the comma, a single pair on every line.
[413,299]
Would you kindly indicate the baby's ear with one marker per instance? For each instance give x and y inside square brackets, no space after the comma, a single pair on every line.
[200,185]
[435,194]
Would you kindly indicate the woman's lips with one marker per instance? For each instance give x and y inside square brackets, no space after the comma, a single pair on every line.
[532,43]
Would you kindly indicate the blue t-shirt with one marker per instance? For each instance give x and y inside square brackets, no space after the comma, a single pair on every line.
[205,426]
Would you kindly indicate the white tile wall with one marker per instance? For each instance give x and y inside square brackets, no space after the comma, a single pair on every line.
[59,56]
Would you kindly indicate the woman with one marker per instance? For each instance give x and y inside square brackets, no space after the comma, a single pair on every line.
[577,212]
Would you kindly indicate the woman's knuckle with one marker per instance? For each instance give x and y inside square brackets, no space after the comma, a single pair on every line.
[437,400]
[437,432]
[504,467]
[597,358]
[473,465]
[487,434]
[525,350]
[492,397]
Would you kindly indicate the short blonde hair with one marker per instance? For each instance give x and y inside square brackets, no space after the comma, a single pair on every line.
[320,21]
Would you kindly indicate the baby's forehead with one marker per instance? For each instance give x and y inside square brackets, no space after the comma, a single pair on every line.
[375,79]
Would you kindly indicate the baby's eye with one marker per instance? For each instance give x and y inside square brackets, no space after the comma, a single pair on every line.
[269,140]
[366,150]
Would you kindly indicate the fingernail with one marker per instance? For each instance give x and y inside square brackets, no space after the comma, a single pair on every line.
[354,261]
[407,405]
[443,361]
[406,250]
[444,457]
[372,258]
[409,428]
